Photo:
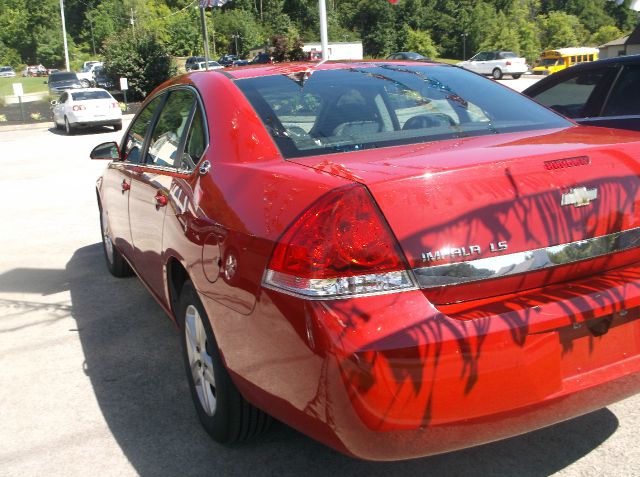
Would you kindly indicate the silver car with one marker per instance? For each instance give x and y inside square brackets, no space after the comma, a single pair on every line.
[7,72]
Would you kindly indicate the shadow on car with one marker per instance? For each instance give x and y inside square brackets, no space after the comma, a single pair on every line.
[133,361]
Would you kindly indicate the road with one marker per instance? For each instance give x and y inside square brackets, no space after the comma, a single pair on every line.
[92,382]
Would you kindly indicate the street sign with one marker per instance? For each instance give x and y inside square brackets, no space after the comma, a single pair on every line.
[17,89]
[124,84]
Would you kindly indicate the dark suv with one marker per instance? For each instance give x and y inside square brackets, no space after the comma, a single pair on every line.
[63,80]
[192,61]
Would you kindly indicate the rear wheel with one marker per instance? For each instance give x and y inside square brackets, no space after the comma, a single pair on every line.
[116,264]
[516,76]
[222,410]
[496,74]
[85,83]
[68,128]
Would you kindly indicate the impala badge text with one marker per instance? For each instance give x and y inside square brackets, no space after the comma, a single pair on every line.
[453,252]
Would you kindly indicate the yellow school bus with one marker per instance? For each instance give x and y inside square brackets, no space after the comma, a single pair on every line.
[552,61]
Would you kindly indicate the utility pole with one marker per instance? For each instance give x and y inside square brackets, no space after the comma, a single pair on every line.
[464,46]
[64,36]
[324,40]
[235,37]
[133,23]
[205,36]
[93,41]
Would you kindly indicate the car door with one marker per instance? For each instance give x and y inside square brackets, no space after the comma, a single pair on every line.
[116,182]
[475,63]
[622,108]
[58,109]
[151,184]
[485,67]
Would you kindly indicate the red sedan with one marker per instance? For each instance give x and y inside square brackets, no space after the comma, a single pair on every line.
[397,259]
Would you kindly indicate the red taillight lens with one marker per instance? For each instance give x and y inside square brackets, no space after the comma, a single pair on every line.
[114,104]
[340,246]
[78,107]
[508,63]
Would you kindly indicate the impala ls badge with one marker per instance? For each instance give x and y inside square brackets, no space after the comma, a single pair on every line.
[579,197]
[467,251]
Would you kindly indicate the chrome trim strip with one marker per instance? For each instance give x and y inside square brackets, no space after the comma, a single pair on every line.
[500,266]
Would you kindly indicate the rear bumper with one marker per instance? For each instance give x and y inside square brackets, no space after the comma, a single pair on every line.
[391,377]
[87,122]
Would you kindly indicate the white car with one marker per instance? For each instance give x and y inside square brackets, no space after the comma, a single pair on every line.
[7,72]
[87,74]
[88,107]
[213,65]
[497,64]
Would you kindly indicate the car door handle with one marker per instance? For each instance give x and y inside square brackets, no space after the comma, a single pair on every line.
[125,185]
[161,199]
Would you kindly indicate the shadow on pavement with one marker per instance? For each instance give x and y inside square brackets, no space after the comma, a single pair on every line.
[133,360]
[82,131]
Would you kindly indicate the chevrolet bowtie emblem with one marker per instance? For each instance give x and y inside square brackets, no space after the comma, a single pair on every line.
[579,197]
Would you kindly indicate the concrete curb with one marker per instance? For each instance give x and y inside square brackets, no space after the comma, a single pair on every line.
[47,125]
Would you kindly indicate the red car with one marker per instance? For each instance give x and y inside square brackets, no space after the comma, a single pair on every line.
[397,259]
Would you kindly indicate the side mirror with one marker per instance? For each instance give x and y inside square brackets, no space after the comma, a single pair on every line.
[106,151]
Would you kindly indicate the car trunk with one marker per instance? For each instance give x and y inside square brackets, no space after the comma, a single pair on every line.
[494,205]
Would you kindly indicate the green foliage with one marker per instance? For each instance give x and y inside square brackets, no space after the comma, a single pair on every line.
[9,56]
[420,42]
[31,33]
[139,56]
[605,34]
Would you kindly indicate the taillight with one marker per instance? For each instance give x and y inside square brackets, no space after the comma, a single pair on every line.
[78,107]
[508,63]
[114,104]
[339,247]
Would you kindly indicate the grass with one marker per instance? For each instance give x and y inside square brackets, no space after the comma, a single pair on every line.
[29,85]
[448,60]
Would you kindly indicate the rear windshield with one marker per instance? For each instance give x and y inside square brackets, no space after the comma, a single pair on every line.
[85,95]
[386,105]
[62,77]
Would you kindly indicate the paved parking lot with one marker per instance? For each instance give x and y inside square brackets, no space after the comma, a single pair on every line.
[92,382]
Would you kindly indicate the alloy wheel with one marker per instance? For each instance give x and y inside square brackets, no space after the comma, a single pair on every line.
[108,244]
[200,361]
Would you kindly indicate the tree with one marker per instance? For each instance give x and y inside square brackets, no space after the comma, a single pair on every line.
[140,57]
[561,30]
[605,34]
[420,42]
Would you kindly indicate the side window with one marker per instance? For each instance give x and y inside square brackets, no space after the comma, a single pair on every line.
[570,96]
[196,142]
[624,98]
[135,136]
[170,129]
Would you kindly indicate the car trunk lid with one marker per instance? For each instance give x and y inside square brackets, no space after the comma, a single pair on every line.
[492,215]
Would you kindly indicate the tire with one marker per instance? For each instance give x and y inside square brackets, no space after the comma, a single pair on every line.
[68,128]
[496,74]
[117,126]
[116,264]
[85,83]
[516,76]
[224,413]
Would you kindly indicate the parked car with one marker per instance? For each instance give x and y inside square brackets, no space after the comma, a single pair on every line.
[496,64]
[86,64]
[262,58]
[61,81]
[7,72]
[397,260]
[407,55]
[192,61]
[34,70]
[87,74]
[84,108]
[227,60]
[599,93]
[104,81]
[240,63]
[213,65]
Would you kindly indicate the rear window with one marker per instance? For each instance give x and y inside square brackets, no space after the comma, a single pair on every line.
[385,105]
[86,95]
[62,77]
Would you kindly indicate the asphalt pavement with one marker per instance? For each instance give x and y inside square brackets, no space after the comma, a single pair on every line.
[92,382]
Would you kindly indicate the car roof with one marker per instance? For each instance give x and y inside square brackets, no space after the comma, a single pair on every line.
[255,71]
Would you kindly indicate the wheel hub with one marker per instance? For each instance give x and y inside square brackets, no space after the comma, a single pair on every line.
[200,362]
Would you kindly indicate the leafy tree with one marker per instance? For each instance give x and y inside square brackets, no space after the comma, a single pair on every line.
[140,57]
[561,30]
[420,42]
[605,34]
[9,56]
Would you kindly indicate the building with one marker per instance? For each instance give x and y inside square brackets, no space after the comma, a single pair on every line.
[628,45]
